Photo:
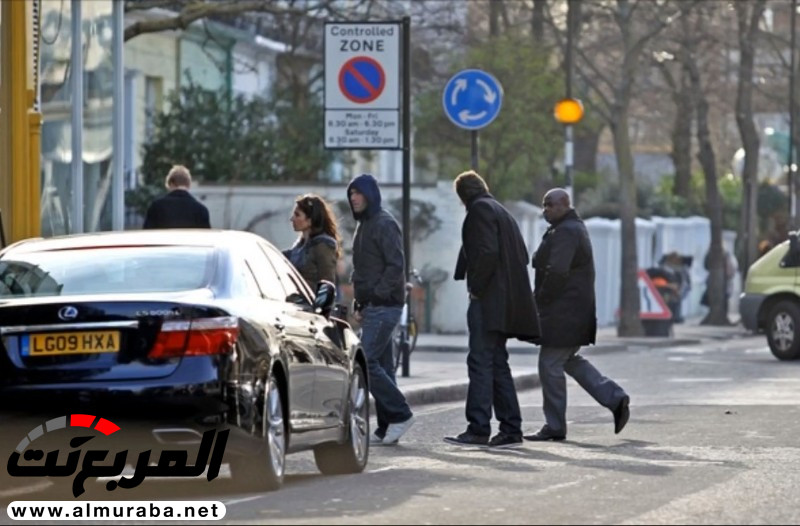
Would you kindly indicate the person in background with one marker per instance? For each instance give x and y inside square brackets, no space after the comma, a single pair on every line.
[316,252]
[177,209]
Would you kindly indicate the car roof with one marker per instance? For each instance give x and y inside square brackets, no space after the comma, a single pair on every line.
[168,237]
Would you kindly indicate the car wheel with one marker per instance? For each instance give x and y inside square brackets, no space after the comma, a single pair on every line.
[267,473]
[782,331]
[350,456]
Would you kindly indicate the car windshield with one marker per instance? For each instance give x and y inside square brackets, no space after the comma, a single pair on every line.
[106,270]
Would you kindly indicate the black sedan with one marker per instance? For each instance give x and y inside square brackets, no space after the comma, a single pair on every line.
[217,321]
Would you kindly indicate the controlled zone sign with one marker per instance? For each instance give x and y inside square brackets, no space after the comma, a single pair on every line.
[472,99]
[362,85]
[652,305]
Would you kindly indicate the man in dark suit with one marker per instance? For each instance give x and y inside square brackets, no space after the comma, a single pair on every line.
[494,260]
[565,298]
[177,209]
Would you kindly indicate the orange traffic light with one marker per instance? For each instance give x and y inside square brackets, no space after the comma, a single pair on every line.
[568,111]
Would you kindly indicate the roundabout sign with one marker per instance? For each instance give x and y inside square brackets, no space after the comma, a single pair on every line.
[472,99]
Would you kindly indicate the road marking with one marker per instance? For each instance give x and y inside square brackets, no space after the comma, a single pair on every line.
[243,499]
[698,380]
[32,488]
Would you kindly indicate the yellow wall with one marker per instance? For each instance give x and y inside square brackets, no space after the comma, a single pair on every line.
[20,133]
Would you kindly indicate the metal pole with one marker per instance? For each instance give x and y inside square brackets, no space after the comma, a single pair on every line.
[792,183]
[118,172]
[406,167]
[568,127]
[474,161]
[76,67]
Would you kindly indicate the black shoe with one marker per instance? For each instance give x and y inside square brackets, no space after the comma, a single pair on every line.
[468,439]
[503,440]
[621,414]
[544,435]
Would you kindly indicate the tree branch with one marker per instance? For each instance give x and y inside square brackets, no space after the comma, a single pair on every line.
[197,10]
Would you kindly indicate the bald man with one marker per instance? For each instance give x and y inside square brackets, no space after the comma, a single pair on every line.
[564,290]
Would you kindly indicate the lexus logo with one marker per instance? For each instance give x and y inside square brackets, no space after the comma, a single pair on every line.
[68,313]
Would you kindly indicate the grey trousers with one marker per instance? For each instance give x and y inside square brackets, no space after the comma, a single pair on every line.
[553,363]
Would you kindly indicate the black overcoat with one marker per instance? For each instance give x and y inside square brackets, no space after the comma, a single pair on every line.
[494,260]
[177,209]
[565,284]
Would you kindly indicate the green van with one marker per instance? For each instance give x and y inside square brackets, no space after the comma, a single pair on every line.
[771,298]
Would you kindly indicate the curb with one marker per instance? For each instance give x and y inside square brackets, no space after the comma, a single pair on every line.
[594,349]
[455,392]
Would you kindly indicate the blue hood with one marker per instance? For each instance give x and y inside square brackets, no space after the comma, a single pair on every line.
[368,186]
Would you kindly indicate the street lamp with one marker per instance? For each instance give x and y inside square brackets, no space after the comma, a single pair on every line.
[568,111]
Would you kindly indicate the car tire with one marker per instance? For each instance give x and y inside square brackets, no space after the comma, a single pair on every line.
[267,472]
[352,455]
[783,325]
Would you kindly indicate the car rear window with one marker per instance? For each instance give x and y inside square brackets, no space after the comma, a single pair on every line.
[106,270]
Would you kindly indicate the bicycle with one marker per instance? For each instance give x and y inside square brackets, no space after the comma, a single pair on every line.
[404,339]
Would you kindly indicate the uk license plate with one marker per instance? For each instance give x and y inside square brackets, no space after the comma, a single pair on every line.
[62,343]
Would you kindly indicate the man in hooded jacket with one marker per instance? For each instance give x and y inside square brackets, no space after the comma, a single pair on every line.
[379,286]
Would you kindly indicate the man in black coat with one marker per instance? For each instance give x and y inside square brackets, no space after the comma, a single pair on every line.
[177,209]
[494,260]
[565,297]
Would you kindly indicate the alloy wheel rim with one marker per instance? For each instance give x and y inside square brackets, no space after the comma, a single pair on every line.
[276,436]
[359,427]
[783,331]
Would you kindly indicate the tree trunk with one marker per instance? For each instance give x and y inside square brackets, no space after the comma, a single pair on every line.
[587,140]
[715,259]
[682,137]
[494,17]
[629,322]
[748,20]
[537,21]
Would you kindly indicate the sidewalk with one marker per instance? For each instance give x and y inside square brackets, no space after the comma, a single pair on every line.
[438,365]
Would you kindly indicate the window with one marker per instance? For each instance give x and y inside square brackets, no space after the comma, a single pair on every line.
[264,274]
[291,280]
[153,103]
[243,283]
[106,271]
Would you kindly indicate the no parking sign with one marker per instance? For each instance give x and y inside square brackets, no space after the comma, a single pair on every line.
[362,85]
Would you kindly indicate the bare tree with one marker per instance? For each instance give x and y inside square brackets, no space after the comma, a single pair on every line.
[748,15]
[609,65]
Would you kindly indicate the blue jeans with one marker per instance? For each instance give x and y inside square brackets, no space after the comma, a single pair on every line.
[376,337]
[490,382]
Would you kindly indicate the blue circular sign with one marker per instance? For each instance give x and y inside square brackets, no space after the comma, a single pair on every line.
[362,79]
[472,99]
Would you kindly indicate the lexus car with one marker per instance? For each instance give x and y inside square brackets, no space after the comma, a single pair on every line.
[215,321]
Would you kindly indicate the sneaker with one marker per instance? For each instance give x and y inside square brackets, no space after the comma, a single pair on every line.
[505,441]
[375,440]
[395,431]
[468,439]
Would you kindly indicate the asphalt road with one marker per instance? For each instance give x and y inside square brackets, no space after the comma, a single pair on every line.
[713,438]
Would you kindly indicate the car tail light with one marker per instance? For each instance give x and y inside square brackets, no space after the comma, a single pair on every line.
[200,337]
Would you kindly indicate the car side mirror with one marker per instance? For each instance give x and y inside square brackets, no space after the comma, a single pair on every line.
[792,257]
[325,298]
[297,299]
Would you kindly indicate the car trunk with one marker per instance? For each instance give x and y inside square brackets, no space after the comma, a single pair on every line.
[93,338]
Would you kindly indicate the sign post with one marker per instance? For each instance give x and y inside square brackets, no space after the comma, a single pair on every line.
[364,83]
[472,99]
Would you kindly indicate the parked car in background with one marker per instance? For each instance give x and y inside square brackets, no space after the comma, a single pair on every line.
[217,321]
[770,302]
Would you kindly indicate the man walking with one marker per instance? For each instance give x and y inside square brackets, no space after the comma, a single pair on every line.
[494,260]
[177,209]
[379,285]
[565,298]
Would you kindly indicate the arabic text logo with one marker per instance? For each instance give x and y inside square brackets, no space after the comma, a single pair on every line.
[171,463]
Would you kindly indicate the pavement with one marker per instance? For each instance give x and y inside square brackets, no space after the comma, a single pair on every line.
[438,370]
